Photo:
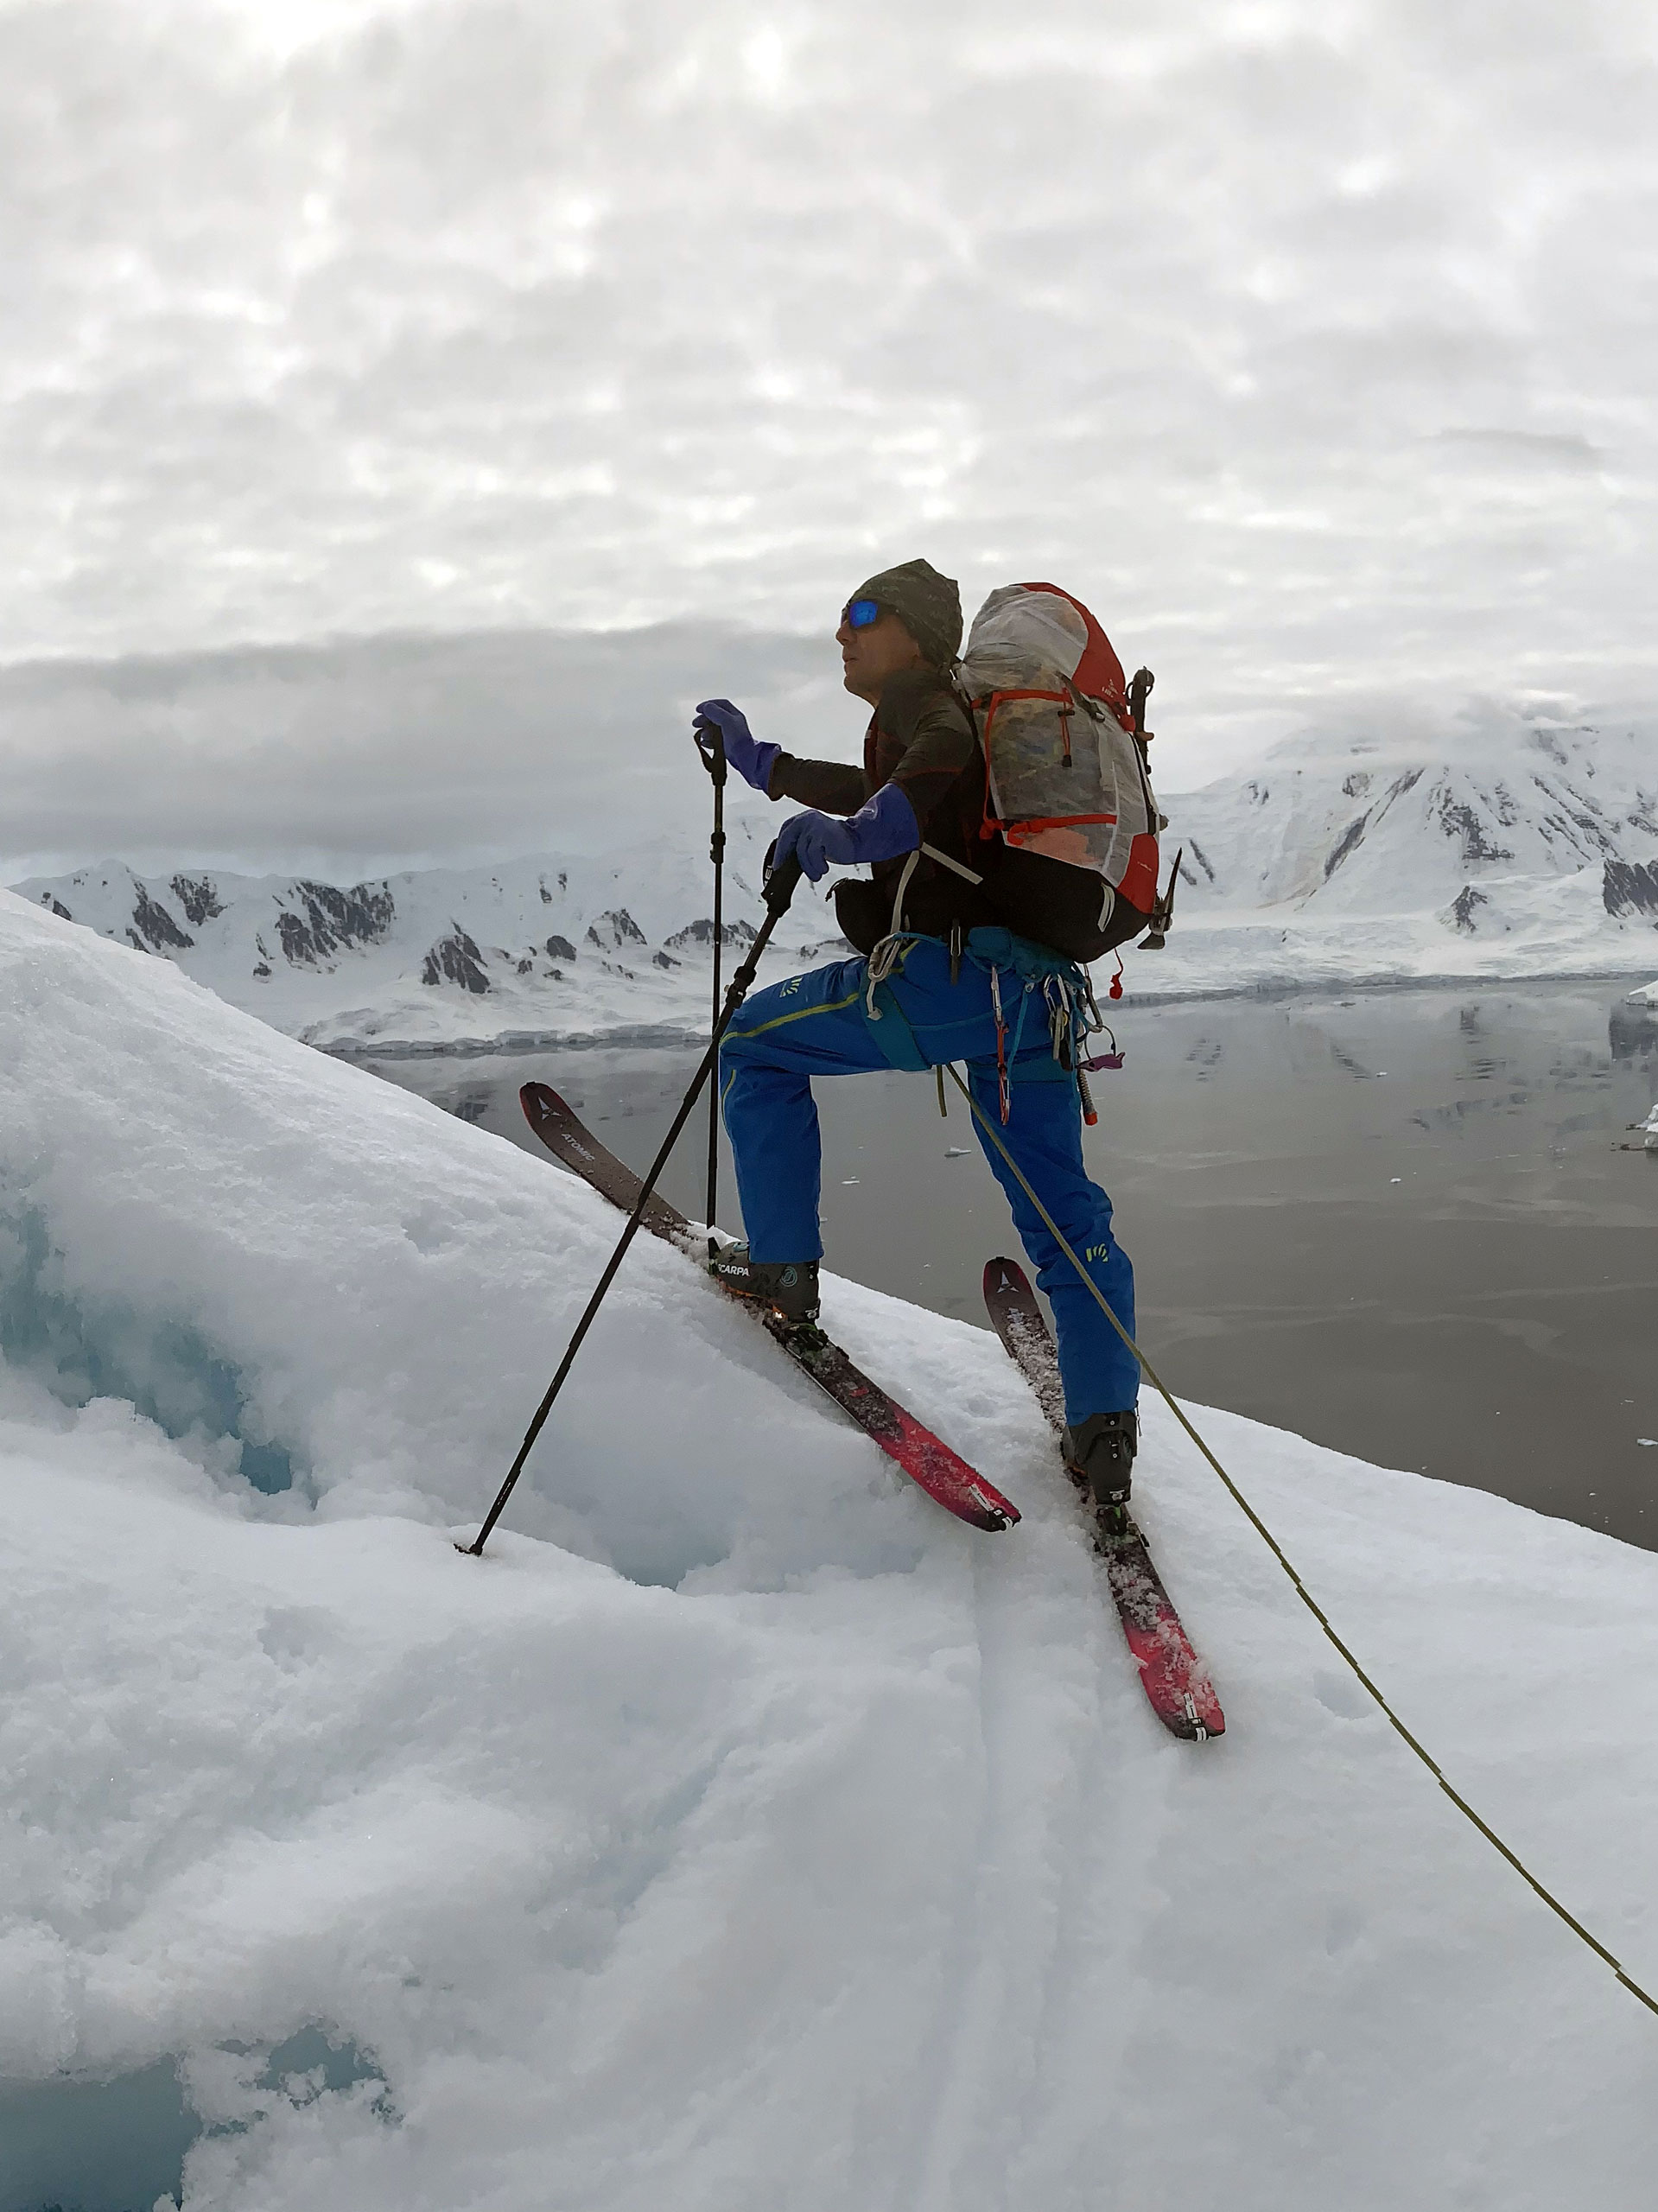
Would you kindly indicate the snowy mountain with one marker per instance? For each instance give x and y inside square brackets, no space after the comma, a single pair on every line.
[1533,852]
[549,947]
[1358,829]
[742,1832]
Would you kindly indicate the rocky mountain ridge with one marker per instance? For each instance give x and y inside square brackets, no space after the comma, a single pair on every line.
[1363,828]
[1532,849]
[551,945]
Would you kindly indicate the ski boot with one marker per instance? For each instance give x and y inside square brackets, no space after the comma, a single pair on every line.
[788,1286]
[1100,1459]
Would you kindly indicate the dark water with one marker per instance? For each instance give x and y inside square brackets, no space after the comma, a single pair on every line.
[1399,1224]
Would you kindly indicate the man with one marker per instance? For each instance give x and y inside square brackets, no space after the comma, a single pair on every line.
[941,977]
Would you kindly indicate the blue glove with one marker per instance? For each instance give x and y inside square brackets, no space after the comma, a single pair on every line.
[752,762]
[880,831]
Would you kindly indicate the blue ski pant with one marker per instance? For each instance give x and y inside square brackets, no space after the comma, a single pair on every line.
[817,1025]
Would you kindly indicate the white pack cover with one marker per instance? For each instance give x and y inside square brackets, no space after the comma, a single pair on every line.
[1066,777]
[1022,638]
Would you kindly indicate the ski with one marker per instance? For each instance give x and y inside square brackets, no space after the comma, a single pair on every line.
[924,1456]
[1175,1679]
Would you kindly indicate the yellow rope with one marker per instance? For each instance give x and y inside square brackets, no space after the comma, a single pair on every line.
[1301,1590]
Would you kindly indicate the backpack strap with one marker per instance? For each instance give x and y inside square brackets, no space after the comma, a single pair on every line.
[956,867]
[909,868]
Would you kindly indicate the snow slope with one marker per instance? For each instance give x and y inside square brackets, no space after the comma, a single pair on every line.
[1527,848]
[743,1831]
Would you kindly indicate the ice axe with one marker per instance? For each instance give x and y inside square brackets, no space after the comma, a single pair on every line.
[1161,917]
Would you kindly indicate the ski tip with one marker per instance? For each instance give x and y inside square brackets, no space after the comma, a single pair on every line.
[1003,1275]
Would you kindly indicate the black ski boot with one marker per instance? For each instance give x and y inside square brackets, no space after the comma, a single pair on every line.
[1100,1456]
[788,1286]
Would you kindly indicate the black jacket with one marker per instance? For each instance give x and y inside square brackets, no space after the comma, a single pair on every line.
[921,737]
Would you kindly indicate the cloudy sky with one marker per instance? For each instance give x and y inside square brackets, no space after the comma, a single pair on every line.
[412,405]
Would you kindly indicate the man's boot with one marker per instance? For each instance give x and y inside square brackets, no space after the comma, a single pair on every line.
[788,1286]
[1101,1457]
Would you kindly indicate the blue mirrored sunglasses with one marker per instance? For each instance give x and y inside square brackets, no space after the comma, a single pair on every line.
[859,614]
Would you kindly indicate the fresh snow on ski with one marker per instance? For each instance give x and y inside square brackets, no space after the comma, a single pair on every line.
[924,1456]
[1175,1679]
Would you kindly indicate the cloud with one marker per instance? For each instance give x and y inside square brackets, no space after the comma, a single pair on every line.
[363,755]
[1507,450]
[1310,342]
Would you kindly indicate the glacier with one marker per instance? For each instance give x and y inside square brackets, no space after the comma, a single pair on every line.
[741,1830]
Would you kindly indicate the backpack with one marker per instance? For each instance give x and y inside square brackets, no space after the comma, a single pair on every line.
[1065,748]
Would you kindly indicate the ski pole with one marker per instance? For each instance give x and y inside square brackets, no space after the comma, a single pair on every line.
[779,889]
[715,762]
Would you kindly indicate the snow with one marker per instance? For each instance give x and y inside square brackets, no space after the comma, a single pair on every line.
[1528,847]
[742,1831]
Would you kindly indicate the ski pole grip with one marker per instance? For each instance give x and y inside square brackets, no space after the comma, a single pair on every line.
[711,745]
[780,884]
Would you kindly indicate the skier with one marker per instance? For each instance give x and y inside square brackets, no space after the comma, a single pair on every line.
[959,939]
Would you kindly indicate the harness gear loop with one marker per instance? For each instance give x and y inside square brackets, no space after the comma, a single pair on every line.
[1065,1024]
[887,957]
[1004,1097]
[1108,1059]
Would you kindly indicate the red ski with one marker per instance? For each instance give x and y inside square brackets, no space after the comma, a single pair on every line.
[924,1456]
[1175,1679]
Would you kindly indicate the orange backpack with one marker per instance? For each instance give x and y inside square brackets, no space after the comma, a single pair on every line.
[1063,739]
